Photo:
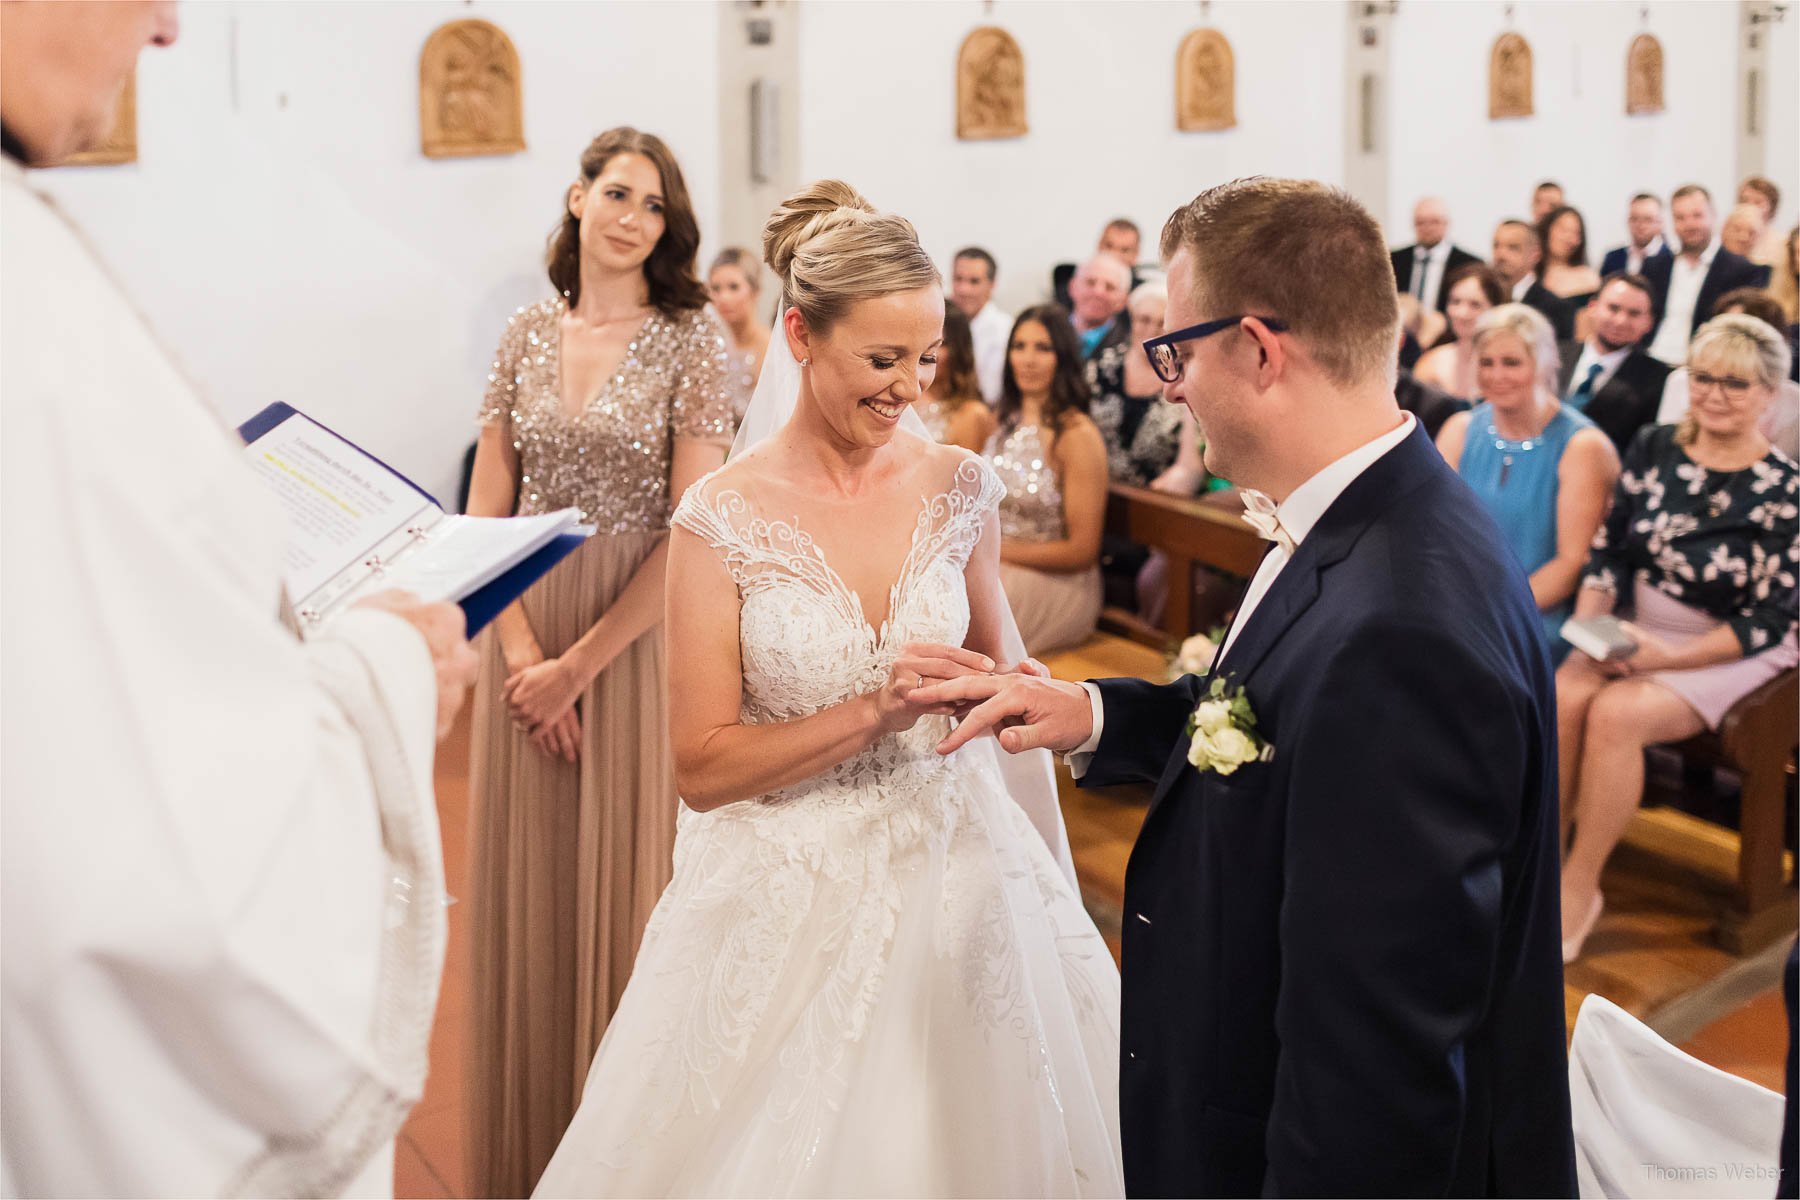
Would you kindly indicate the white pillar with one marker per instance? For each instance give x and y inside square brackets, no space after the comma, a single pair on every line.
[759,117]
[1367,122]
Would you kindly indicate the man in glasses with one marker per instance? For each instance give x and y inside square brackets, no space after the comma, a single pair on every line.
[1341,970]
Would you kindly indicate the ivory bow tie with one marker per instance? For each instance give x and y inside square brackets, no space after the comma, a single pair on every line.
[1259,511]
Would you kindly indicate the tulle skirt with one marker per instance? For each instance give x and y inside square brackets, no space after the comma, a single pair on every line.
[880,985]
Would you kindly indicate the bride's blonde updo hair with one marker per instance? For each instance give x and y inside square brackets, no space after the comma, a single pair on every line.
[829,249]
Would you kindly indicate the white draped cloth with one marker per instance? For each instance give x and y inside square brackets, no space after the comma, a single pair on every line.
[221,885]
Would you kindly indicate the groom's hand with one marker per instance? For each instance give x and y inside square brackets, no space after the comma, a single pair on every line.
[1027,710]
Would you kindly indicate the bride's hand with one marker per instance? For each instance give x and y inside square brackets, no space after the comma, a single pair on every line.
[921,664]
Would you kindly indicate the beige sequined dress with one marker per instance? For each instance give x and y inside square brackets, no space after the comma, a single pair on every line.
[1054,609]
[566,860]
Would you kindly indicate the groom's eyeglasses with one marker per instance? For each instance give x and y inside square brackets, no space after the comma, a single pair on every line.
[1168,365]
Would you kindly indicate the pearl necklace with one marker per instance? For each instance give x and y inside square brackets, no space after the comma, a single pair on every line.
[1508,447]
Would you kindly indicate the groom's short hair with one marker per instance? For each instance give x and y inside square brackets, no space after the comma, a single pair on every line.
[1301,252]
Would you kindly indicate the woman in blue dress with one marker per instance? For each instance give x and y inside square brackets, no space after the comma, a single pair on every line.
[1542,469]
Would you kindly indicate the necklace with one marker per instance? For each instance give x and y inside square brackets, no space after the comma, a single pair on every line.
[1509,447]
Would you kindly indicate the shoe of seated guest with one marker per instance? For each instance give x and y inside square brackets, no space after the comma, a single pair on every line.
[1571,947]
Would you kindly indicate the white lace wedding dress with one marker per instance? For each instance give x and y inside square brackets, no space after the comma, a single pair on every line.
[877,981]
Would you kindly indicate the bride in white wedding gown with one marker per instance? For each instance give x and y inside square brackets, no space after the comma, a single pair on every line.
[871,973]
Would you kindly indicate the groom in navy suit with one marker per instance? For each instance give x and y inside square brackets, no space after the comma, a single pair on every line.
[1341,960]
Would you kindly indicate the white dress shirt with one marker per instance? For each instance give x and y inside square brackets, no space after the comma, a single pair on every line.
[1634,258]
[1609,366]
[989,329]
[1297,514]
[1685,282]
[1523,286]
[1432,260]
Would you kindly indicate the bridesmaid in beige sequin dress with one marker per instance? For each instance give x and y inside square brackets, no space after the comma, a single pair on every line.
[1052,459]
[613,401]
[952,408]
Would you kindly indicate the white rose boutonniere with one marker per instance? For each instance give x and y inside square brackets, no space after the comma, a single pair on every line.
[1224,734]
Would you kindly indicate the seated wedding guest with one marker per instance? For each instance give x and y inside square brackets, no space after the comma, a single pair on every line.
[1430,404]
[1518,252]
[1053,462]
[1450,365]
[1541,468]
[735,284]
[1565,270]
[610,397]
[1423,269]
[1780,422]
[221,881]
[1701,549]
[1760,193]
[1741,230]
[972,275]
[1686,286]
[1546,198]
[1419,327]
[1098,293]
[1643,225]
[1607,378]
[1784,283]
[1142,433]
[952,407]
[1119,238]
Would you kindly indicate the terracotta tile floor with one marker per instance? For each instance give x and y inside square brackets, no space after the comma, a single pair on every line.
[1649,947]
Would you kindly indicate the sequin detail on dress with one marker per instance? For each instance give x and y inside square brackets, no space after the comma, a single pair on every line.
[611,461]
[1032,510]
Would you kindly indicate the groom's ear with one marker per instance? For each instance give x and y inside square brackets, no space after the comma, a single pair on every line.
[1271,351]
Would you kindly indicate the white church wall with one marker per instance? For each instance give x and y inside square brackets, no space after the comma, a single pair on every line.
[1580,135]
[285,235]
[878,99]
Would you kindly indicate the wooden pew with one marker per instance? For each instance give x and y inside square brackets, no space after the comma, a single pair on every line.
[1757,740]
[1188,532]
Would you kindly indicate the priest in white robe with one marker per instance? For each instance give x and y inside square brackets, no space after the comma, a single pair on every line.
[221,887]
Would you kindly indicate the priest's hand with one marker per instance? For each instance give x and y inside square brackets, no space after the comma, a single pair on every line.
[445,631]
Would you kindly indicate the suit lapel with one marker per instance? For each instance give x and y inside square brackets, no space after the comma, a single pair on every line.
[1387,481]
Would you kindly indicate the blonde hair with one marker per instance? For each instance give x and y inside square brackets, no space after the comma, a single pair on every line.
[1736,342]
[830,249]
[1150,289]
[1782,283]
[1296,251]
[1529,326]
[745,263]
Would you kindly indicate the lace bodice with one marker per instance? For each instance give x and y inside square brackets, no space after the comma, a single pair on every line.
[804,641]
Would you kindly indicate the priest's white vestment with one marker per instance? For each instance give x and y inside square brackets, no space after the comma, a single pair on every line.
[223,925]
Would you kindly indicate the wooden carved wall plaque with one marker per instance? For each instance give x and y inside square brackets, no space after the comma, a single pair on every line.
[120,145]
[990,86]
[469,97]
[1205,82]
[1509,78]
[1644,75]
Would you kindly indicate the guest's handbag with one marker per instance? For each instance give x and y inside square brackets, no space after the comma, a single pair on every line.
[1600,638]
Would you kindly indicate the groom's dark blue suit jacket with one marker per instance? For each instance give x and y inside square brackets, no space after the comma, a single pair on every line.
[1342,967]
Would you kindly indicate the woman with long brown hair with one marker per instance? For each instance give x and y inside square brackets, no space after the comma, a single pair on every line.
[1052,459]
[610,397]
[952,407]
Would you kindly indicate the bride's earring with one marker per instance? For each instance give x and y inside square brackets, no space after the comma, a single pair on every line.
[806,362]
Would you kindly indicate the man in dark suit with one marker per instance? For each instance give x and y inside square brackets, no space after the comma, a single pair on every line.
[1608,377]
[1517,253]
[1421,268]
[1685,286]
[1643,223]
[1342,969]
